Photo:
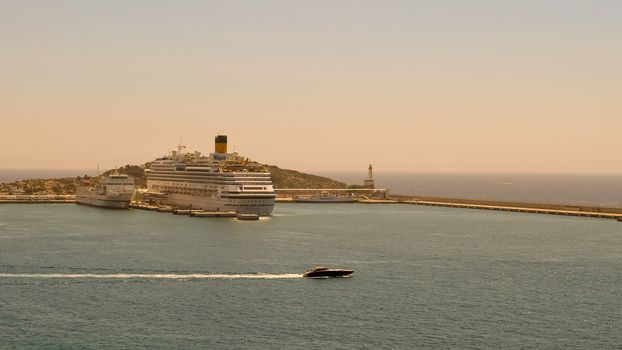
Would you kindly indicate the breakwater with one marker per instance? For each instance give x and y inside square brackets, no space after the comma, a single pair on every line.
[534,208]
[521,207]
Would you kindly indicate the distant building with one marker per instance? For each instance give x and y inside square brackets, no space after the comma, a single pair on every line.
[369,182]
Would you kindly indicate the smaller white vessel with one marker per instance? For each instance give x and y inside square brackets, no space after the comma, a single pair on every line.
[114,191]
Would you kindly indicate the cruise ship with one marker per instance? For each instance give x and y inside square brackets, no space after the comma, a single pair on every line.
[219,182]
[114,191]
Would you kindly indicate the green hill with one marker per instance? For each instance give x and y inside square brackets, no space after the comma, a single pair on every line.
[285,178]
[136,171]
[282,178]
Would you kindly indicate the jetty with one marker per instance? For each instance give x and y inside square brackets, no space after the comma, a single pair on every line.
[381,196]
[533,208]
[196,213]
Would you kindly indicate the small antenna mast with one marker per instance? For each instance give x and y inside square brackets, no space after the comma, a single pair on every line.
[180,146]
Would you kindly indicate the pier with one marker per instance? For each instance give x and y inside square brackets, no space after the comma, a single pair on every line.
[381,196]
[533,208]
[195,213]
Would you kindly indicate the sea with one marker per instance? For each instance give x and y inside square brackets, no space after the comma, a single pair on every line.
[78,277]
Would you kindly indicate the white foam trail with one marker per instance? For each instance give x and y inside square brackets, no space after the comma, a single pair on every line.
[167,276]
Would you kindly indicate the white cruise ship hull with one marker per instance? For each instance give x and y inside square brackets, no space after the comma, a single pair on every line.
[262,206]
[97,200]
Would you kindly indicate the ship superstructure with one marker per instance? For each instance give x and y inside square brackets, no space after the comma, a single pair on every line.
[114,191]
[219,182]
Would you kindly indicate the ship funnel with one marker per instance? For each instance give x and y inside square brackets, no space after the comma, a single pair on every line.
[221,144]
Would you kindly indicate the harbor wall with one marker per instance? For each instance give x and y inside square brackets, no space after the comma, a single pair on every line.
[42,198]
[544,206]
[522,207]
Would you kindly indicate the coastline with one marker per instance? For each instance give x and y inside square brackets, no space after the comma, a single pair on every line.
[519,207]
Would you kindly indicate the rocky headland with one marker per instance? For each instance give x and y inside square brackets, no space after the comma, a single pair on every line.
[282,178]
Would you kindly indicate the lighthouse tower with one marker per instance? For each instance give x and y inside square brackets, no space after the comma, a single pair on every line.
[369,182]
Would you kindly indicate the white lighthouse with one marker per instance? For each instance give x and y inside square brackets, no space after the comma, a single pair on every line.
[369,182]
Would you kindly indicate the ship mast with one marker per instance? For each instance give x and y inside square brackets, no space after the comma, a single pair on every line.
[180,146]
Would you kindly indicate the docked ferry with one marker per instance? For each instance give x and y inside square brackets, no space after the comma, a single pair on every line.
[219,182]
[114,191]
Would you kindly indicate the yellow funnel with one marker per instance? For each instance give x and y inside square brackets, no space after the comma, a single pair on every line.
[221,144]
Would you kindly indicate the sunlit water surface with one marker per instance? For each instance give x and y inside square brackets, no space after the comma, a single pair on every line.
[425,277]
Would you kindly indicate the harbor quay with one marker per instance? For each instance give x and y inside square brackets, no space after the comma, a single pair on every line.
[328,194]
[37,198]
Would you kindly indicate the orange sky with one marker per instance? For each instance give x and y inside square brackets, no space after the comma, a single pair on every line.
[531,87]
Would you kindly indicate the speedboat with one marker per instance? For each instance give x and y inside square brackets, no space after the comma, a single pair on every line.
[321,271]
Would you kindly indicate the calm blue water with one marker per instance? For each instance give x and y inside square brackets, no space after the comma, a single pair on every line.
[425,277]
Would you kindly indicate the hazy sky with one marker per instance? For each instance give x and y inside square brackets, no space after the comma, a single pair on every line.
[477,85]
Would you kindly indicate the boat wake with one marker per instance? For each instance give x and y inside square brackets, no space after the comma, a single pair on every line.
[155,276]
